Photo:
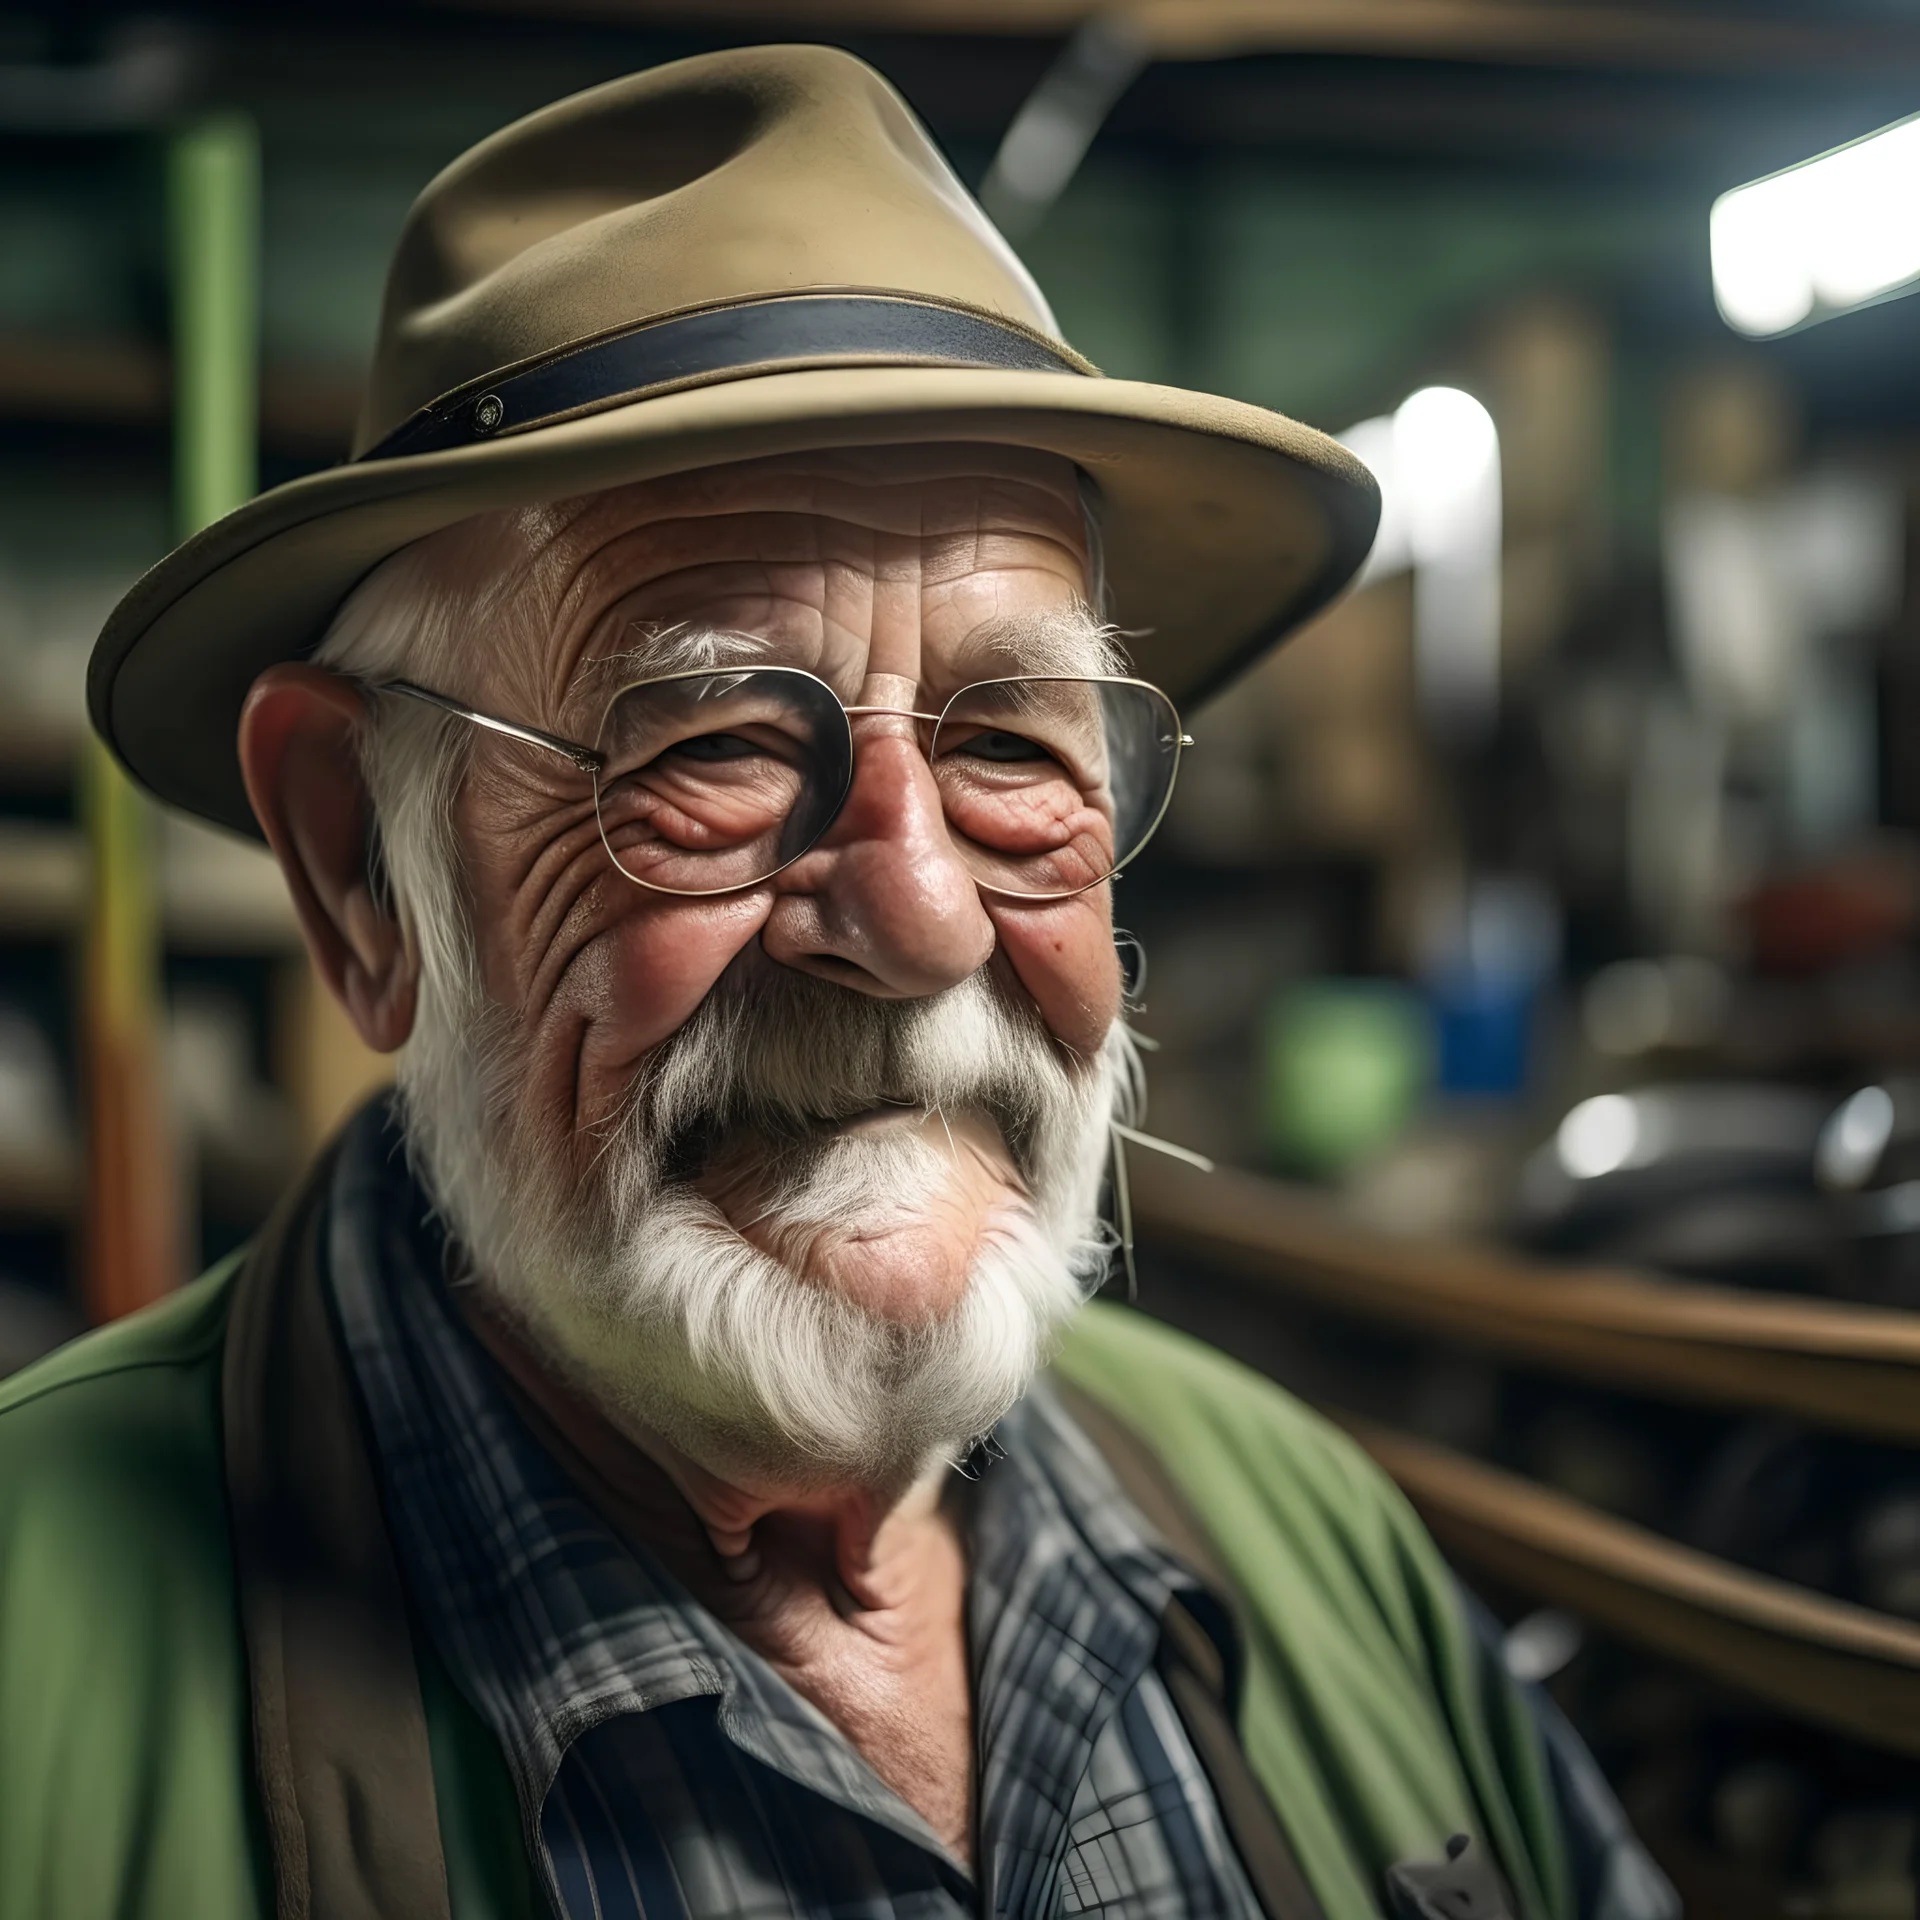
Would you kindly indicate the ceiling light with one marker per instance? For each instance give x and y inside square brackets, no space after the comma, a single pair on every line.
[1833,233]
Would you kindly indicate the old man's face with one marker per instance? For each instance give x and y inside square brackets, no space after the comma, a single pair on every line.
[877,1079]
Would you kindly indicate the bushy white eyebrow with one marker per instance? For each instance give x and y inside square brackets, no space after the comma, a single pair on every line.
[664,650]
[1071,640]
[684,649]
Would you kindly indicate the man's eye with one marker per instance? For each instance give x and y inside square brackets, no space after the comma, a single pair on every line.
[715,746]
[997,745]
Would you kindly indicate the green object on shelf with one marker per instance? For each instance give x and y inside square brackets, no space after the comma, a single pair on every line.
[1343,1065]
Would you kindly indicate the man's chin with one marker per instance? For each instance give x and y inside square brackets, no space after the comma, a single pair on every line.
[909,1274]
[840,1344]
[900,1242]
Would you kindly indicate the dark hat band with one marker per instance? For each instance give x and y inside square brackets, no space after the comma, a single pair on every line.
[722,343]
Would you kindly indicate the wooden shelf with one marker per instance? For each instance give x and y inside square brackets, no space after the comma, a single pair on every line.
[39,1185]
[43,880]
[37,754]
[306,412]
[1844,1368]
[219,894]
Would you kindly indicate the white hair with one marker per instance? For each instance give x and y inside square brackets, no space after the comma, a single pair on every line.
[630,1281]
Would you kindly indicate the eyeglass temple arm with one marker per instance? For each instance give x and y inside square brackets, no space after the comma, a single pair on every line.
[585,758]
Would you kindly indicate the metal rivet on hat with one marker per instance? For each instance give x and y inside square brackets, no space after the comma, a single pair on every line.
[488,411]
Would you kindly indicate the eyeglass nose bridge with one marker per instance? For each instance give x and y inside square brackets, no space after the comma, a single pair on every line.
[899,713]
[846,792]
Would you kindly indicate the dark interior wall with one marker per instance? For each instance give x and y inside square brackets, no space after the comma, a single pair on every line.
[1306,233]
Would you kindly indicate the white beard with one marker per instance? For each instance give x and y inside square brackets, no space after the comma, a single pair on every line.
[641,1293]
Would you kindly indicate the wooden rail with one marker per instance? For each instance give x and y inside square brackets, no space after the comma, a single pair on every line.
[1848,1369]
[1821,1660]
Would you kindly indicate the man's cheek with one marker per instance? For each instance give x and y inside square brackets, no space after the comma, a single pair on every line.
[1063,954]
[665,959]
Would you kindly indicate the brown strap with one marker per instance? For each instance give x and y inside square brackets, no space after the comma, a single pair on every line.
[1196,1673]
[340,1735]
[1145,1481]
[1186,1654]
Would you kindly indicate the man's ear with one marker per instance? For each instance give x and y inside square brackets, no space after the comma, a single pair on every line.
[299,755]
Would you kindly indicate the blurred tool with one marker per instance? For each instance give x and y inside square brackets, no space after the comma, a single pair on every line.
[37,1151]
[237,1126]
[1539,1645]
[1886,1553]
[147,70]
[33,1322]
[1868,1162]
[1759,1812]
[33,1112]
[36,1161]
[1644,1006]
[1772,1497]
[1860,903]
[1864,1858]
[1772,597]
[1714,1181]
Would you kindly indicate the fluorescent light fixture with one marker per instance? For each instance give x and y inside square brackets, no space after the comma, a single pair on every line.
[1831,234]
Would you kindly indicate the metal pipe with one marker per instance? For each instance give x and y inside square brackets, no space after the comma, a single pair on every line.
[1049,137]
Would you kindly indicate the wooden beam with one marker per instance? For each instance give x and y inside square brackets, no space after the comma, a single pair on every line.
[1522,32]
[1818,1659]
[1519,32]
[304,411]
[798,19]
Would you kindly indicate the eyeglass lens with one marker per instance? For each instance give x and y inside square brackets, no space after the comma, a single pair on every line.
[716,781]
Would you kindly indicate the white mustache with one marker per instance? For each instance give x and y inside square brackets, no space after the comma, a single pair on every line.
[783,1055]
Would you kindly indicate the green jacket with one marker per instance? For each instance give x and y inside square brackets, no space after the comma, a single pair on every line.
[129,1784]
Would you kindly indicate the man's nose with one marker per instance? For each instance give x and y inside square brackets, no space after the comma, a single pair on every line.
[884,903]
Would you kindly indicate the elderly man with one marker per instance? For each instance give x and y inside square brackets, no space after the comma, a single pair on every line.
[623,1481]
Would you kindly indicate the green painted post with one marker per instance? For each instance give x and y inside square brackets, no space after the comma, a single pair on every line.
[136,1242]
[213,209]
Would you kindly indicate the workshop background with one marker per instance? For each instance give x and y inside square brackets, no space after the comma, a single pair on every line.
[1532,943]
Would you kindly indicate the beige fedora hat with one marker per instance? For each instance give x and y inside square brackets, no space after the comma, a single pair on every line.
[748,253]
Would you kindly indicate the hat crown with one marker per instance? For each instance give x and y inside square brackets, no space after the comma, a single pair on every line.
[725,178]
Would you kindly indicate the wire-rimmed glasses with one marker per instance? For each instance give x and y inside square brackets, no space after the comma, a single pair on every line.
[712,780]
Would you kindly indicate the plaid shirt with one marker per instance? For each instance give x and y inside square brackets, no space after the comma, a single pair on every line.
[662,1767]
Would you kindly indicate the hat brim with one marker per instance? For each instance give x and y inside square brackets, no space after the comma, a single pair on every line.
[1225,527]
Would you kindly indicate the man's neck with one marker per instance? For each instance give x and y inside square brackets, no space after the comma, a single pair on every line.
[858,1600]
[859,1540]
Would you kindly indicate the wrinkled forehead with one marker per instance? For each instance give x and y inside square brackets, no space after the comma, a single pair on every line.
[928,561]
